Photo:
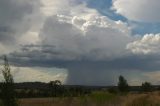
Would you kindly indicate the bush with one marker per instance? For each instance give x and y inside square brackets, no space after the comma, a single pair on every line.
[146,87]
[112,90]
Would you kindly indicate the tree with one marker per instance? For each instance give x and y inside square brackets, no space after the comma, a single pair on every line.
[122,84]
[146,87]
[55,87]
[7,89]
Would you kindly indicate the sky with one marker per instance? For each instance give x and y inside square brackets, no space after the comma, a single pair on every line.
[81,42]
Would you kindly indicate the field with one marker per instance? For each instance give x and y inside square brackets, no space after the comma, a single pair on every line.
[98,99]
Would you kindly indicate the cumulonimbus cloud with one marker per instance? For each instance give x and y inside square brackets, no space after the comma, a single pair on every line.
[70,41]
[66,35]
[92,37]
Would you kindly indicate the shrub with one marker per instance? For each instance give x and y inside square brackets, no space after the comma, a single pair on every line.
[146,87]
[112,90]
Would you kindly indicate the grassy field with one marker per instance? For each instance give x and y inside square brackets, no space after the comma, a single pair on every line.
[97,99]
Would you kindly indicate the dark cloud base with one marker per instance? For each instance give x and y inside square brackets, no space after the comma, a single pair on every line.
[86,72]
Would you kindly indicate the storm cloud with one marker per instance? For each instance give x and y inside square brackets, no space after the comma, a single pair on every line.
[93,48]
[68,35]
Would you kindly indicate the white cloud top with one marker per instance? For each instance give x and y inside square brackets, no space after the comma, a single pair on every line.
[138,10]
[91,36]
[148,44]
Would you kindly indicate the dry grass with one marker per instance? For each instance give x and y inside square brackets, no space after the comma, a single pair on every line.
[149,99]
[97,99]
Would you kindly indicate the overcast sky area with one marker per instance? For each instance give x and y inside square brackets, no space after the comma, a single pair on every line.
[81,42]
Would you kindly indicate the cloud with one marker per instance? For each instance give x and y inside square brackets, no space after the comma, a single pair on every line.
[17,17]
[77,43]
[148,44]
[91,36]
[87,44]
[30,74]
[153,77]
[21,21]
[65,34]
[138,10]
[50,7]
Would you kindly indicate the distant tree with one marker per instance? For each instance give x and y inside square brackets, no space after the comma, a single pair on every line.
[7,88]
[55,87]
[122,84]
[146,87]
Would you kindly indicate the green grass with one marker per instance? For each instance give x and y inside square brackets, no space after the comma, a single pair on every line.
[102,97]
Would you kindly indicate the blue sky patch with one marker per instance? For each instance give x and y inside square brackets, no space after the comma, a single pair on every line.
[104,7]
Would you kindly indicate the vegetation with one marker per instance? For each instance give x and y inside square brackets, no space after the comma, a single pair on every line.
[55,88]
[146,87]
[113,90]
[101,97]
[7,87]
[122,84]
[97,98]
